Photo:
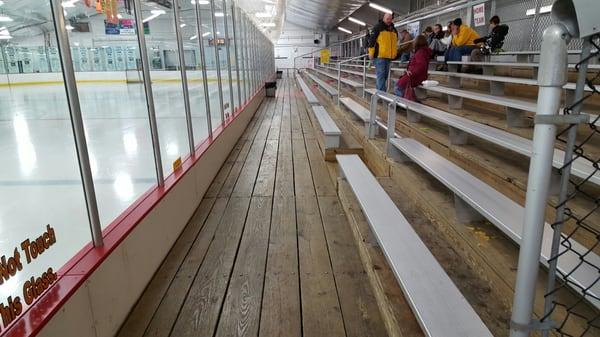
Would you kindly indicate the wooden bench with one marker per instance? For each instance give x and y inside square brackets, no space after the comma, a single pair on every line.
[475,199]
[310,97]
[328,88]
[330,130]
[438,305]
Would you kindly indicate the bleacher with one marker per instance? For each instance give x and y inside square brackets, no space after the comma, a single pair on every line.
[474,199]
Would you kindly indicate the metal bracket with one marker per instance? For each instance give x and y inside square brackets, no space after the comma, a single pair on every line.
[533,326]
[562,119]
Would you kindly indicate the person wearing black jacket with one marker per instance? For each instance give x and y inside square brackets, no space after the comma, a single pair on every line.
[495,40]
[436,44]
[490,44]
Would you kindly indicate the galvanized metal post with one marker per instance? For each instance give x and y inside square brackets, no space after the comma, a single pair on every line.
[85,170]
[184,83]
[213,19]
[552,77]
[148,89]
[247,79]
[389,78]
[391,126]
[364,82]
[339,81]
[204,72]
[235,50]
[227,42]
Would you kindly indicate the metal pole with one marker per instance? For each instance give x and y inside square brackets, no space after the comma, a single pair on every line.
[87,179]
[564,181]
[246,58]
[339,86]
[213,19]
[364,76]
[227,41]
[184,83]
[203,67]
[551,79]
[389,78]
[235,50]
[148,89]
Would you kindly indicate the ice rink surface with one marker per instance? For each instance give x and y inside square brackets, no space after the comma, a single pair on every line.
[40,182]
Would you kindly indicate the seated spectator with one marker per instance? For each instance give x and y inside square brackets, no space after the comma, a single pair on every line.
[436,44]
[405,47]
[428,33]
[416,70]
[492,43]
[463,41]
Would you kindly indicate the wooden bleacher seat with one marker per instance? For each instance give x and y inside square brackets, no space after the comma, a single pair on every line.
[440,308]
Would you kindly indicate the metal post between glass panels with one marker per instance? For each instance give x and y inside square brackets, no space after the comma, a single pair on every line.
[227,51]
[85,170]
[184,83]
[245,54]
[213,19]
[139,25]
[204,72]
[235,51]
[254,57]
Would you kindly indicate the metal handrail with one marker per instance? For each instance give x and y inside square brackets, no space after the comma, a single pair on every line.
[339,71]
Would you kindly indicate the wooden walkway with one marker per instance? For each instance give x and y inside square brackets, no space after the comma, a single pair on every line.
[269,252]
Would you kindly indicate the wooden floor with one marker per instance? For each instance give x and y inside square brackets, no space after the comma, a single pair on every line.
[269,251]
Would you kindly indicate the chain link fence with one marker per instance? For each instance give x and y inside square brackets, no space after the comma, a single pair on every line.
[577,225]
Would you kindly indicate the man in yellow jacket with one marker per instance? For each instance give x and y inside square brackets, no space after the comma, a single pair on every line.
[383,48]
[463,41]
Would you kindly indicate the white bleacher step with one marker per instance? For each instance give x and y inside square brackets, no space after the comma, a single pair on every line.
[460,126]
[328,88]
[358,110]
[355,73]
[330,129]
[344,80]
[501,211]
[438,305]
[516,107]
[312,99]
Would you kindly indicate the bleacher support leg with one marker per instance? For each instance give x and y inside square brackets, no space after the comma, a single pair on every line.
[454,82]
[397,155]
[497,88]
[458,137]
[515,118]
[455,102]
[489,70]
[332,142]
[391,126]
[412,116]
[372,125]
[523,58]
[465,213]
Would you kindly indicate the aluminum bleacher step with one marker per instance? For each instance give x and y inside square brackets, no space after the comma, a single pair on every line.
[460,128]
[474,197]
[438,305]
[330,130]
[312,99]
[346,81]
[328,88]
[358,110]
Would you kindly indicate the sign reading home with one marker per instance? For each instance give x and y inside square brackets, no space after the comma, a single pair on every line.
[12,263]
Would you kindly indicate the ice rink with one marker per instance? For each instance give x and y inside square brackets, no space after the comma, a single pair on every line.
[40,182]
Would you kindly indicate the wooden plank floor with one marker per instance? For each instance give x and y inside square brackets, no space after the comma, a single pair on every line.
[269,251]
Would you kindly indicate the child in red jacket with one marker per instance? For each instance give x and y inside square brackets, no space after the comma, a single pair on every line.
[416,71]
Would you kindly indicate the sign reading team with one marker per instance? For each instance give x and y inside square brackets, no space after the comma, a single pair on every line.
[12,264]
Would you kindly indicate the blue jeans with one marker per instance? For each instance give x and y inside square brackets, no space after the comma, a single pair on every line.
[398,91]
[404,57]
[382,68]
[456,53]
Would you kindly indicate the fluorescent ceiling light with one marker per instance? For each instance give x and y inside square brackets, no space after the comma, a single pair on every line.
[206,34]
[263,15]
[345,30]
[155,13]
[194,37]
[5,19]
[269,2]
[268,24]
[219,14]
[380,8]
[69,27]
[357,21]
[5,37]
[200,2]
[182,25]
[119,16]
[1,2]
[543,10]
